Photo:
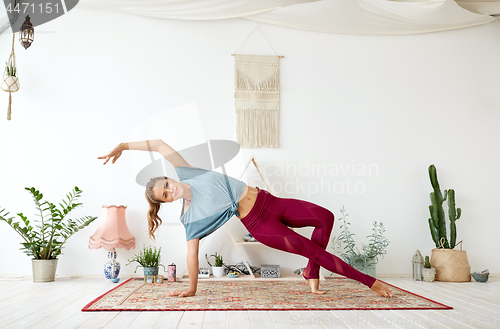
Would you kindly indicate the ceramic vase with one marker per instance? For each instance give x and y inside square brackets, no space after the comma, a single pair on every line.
[44,270]
[111,267]
[10,84]
[428,274]
[151,270]
[368,267]
[218,271]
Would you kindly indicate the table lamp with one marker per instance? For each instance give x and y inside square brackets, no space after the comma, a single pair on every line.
[112,233]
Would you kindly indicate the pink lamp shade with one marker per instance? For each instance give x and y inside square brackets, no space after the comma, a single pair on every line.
[112,231]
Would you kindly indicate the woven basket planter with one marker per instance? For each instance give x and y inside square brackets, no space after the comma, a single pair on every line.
[10,84]
[451,265]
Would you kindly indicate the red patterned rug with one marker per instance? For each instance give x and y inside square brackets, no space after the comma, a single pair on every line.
[232,295]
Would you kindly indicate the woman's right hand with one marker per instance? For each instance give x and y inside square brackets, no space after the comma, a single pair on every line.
[114,153]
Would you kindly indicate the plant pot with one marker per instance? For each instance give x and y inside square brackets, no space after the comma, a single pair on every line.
[44,270]
[368,267]
[428,274]
[451,265]
[10,84]
[218,271]
[151,270]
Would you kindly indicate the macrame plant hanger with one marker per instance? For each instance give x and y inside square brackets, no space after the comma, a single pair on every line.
[10,79]
[257,98]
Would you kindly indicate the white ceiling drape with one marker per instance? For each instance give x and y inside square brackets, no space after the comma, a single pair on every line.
[374,17]
[491,7]
[190,9]
[362,17]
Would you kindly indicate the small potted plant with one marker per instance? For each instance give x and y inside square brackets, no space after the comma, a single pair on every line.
[218,267]
[428,272]
[10,82]
[365,260]
[45,241]
[148,259]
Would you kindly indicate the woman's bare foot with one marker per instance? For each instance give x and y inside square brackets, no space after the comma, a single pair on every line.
[314,283]
[381,289]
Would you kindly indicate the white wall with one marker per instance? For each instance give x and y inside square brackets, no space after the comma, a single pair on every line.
[391,104]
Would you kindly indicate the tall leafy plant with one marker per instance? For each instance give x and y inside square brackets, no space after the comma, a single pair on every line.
[345,247]
[45,240]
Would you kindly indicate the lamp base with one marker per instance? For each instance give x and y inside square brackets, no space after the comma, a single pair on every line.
[111,267]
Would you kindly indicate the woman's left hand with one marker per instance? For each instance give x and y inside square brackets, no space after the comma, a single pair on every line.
[183,293]
[114,153]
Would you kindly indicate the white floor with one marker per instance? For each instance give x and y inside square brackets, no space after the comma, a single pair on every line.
[24,304]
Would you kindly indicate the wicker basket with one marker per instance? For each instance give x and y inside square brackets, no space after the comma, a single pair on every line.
[451,265]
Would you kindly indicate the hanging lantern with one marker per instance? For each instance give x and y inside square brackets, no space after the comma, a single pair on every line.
[418,263]
[27,33]
[10,77]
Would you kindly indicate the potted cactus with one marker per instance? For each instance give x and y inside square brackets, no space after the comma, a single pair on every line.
[451,265]
[428,272]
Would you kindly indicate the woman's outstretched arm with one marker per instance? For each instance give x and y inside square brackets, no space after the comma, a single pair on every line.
[193,266]
[156,145]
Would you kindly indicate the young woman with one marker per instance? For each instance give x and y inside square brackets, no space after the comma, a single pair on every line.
[211,198]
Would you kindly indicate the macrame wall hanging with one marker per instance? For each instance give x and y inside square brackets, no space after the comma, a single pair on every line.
[10,78]
[257,99]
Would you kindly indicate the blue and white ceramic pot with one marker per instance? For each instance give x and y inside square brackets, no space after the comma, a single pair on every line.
[151,270]
[111,267]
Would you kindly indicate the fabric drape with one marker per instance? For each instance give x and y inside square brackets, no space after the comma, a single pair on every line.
[190,9]
[374,17]
[361,17]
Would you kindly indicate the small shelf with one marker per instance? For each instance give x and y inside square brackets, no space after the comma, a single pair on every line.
[247,243]
[284,277]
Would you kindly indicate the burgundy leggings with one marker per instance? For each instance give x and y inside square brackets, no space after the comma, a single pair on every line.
[269,222]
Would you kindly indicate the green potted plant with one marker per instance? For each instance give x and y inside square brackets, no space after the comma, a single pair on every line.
[45,241]
[366,259]
[451,265]
[218,267]
[148,259]
[428,272]
[10,70]
[11,82]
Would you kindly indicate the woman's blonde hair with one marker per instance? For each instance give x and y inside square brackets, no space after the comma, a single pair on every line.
[154,221]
